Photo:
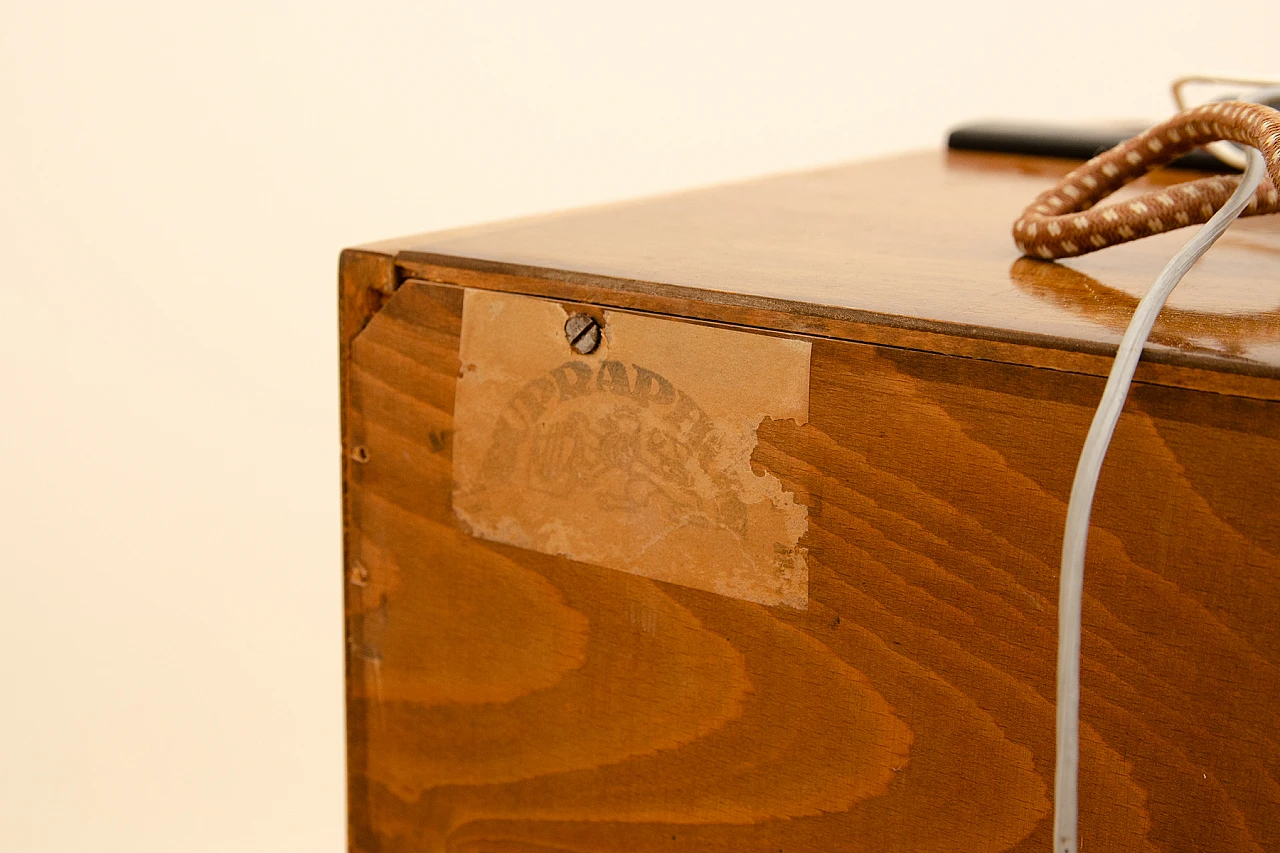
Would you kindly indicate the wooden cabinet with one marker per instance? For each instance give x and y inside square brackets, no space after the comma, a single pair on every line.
[773,567]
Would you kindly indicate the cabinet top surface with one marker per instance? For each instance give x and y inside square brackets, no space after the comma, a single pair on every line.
[916,238]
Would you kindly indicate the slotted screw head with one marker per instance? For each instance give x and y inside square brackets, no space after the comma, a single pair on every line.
[583,333]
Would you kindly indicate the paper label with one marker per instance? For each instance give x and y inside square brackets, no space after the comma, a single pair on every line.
[636,457]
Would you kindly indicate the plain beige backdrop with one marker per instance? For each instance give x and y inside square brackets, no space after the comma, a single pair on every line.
[176,180]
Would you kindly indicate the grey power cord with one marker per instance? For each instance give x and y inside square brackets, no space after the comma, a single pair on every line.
[1076,535]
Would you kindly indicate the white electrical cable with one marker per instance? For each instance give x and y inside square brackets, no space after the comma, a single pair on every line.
[1075,537]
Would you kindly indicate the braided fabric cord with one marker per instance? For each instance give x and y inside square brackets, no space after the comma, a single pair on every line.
[1062,222]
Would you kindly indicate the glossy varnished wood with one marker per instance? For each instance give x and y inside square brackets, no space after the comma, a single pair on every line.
[903,246]
[505,700]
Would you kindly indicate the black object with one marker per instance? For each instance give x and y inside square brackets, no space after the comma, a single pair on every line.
[1076,143]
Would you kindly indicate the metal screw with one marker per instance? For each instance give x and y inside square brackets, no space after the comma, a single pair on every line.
[583,333]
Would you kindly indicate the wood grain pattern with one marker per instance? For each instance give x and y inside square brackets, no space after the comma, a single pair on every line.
[914,247]
[506,701]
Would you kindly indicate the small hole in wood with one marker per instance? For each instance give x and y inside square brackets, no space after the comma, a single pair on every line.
[360,454]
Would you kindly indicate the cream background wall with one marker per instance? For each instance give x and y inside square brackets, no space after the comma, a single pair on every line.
[176,180]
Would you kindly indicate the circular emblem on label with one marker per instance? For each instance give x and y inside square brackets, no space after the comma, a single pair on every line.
[620,436]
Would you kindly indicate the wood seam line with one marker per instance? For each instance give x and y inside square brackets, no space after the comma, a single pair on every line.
[903,348]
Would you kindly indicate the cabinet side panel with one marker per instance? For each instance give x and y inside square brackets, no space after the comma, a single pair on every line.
[365,279]
[503,699]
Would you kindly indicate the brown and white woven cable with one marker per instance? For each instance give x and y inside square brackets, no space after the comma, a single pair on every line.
[1063,222]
